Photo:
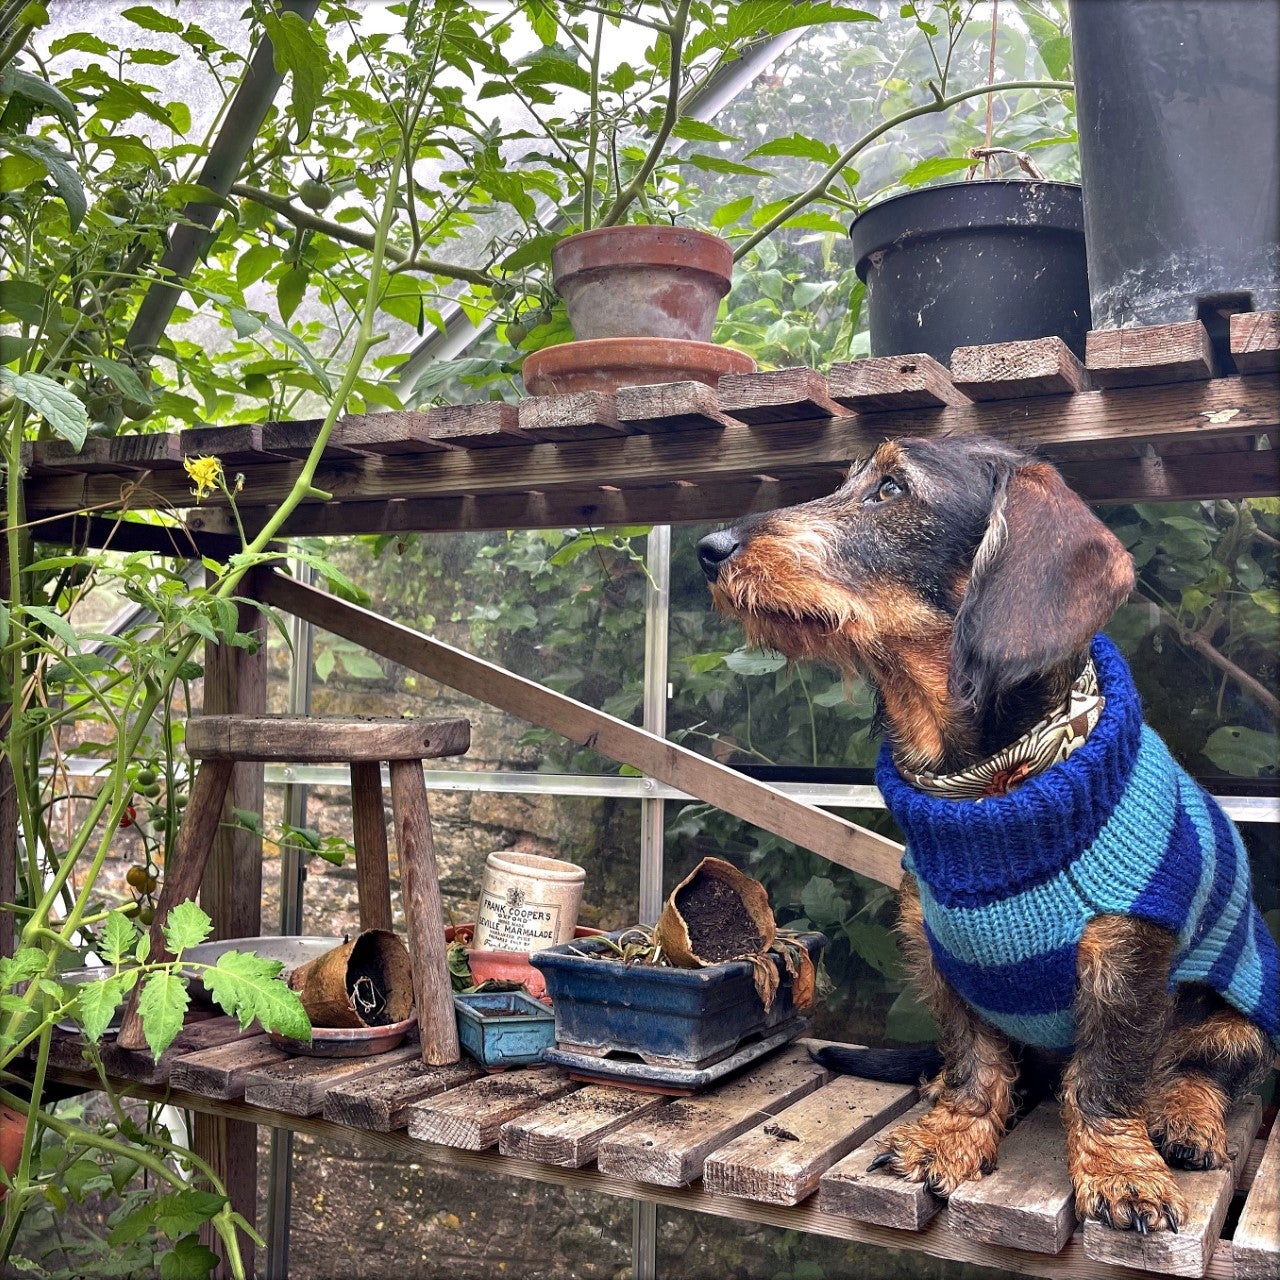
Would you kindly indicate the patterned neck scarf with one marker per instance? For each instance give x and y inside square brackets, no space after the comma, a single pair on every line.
[1047,743]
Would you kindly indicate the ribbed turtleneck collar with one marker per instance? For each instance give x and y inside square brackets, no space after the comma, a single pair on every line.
[970,851]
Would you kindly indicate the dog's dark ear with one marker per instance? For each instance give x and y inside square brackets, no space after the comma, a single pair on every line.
[1047,576]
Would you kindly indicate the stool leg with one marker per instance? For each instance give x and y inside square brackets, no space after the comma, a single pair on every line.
[373,877]
[423,913]
[183,873]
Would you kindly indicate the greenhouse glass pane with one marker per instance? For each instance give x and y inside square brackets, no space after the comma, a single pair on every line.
[562,607]
[599,834]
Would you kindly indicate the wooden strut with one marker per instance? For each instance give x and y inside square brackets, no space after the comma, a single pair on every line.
[824,833]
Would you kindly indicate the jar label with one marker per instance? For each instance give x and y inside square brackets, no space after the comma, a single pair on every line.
[514,924]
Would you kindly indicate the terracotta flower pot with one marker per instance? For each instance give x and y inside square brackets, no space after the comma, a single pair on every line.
[642,282]
[507,966]
[13,1125]
[605,364]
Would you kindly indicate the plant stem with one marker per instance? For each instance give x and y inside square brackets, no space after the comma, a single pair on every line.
[819,187]
[309,221]
[1197,640]
[675,67]
[593,127]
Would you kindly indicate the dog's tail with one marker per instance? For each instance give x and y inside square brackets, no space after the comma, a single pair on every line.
[892,1066]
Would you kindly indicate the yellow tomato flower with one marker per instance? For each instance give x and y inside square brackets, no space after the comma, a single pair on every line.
[206,472]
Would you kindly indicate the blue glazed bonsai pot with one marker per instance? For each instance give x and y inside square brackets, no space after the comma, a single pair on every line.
[663,1016]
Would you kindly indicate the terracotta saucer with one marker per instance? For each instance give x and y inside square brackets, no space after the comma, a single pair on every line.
[605,364]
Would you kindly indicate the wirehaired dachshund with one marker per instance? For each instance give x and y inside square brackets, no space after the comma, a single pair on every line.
[1071,894]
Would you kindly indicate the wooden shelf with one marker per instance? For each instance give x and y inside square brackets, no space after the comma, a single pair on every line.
[1163,426]
[783,1143]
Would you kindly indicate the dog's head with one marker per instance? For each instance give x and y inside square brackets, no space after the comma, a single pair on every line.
[952,572]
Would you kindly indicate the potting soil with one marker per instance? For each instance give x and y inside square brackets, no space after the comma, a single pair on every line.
[718,923]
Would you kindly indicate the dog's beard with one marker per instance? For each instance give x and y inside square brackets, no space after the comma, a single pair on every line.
[821,628]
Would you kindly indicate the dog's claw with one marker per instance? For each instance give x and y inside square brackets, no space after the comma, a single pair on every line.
[1104,1212]
[1171,1219]
[1140,1223]
[880,1161]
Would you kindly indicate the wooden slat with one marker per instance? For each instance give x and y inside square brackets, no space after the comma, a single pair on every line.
[100,534]
[669,1147]
[472,1117]
[777,395]
[1186,1252]
[1018,370]
[300,1085]
[667,503]
[382,1102]
[670,406]
[475,426]
[1255,341]
[388,434]
[1161,353]
[781,1161]
[1255,1247]
[297,439]
[578,415]
[569,1131]
[935,1240]
[884,383]
[320,739]
[158,451]
[850,1189]
[824,833]
[233,446]
[222,1072]
[1028,1202]
[1236,474]
[138,1064]
[1213,411]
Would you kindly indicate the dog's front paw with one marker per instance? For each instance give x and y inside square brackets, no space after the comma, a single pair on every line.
[1121,1179]
[1185,1118]
[943,1149]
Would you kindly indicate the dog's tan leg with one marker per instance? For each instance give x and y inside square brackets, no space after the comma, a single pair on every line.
[1201,1070]
[1122,1009]
[973,1094]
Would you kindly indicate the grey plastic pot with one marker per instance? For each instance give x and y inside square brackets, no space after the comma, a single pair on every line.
[1178,106]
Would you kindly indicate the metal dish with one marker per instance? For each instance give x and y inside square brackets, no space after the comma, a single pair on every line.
[290,951]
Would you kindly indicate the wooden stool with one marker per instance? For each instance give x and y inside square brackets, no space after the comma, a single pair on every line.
[219,742]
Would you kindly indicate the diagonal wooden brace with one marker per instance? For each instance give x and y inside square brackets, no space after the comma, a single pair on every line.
[824,833]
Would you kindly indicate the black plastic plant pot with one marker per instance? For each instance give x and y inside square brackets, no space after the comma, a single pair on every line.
[664,1016]
[1178,106]
[969,263]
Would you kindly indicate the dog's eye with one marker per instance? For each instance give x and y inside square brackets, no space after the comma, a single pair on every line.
[887,488]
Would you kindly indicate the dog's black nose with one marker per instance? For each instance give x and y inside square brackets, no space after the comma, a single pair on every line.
[714,550]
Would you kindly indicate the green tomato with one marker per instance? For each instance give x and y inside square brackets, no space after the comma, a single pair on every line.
[137,410]
[315,194]
[146,777]
[105,408]
[118,202]
[517,332]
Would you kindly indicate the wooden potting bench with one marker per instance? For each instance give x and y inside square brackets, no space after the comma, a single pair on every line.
[1149,415]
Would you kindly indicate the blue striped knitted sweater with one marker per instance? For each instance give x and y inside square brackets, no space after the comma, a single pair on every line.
[1008,883]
